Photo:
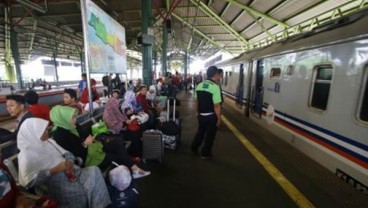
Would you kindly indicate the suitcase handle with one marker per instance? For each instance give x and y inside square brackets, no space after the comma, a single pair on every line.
[168,109]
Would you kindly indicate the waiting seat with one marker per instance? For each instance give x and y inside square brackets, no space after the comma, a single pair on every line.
[98,111]
[9,148]
[82,118]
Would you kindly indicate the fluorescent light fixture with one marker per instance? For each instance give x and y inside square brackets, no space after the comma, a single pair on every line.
[32,5]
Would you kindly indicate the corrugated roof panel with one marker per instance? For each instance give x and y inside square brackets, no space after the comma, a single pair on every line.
[242,22]
[291,7]
[315,11]
[231,13]
[264,6]
[253,32]
[217,6]
[217,29]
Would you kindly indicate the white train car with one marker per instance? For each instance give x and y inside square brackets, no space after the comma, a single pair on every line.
[312,91]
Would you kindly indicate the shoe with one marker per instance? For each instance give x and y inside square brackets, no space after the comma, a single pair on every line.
[140,173]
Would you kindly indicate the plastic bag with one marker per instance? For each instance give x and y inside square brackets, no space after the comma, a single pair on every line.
[99,128]
[120,177]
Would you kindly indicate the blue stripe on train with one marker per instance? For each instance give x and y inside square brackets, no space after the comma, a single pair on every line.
[328,132]
[356,155]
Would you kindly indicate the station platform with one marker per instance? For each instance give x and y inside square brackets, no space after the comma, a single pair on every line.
[250,167]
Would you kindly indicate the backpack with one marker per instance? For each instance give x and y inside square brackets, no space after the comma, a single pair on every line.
[105,80]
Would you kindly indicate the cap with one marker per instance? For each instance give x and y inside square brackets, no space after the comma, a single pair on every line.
[211,71]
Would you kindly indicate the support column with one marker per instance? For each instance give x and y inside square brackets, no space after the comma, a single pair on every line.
[15,52]
[55,65]
[155,65]
[147,48]
[164,49]
[185,65]
[83,69]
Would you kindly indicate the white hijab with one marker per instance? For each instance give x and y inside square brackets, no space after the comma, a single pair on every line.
[151,94]
[36,155]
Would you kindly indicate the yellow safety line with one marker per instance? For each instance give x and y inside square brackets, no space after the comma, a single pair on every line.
[285,184]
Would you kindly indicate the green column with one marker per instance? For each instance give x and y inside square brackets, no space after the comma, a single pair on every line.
[164,49]
[15,52]
[147,49]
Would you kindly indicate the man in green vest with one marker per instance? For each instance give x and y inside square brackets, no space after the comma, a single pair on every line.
[208,97]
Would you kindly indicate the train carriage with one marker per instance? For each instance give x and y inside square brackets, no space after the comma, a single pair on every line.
[312,91]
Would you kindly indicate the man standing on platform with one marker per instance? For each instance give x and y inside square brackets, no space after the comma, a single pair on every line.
[82,84]
[208,97]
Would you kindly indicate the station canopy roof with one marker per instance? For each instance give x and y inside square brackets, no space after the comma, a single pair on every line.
[200,27]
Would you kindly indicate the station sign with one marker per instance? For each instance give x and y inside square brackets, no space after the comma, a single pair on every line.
[106,42]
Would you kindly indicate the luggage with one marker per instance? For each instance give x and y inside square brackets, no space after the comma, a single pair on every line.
[127,198]
[173,101]
[171,129]
[152,144]
[105,80]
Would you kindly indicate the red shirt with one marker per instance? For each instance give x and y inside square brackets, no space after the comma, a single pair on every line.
[141,99]
[84,97]
[40,111]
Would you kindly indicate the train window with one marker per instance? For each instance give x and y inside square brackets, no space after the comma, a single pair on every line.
[275,73]
[322,78]
[363,115]
[290,70]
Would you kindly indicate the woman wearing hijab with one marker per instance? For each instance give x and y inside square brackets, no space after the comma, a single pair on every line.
[43,161]
[129,101]
[118,122]
[73,139]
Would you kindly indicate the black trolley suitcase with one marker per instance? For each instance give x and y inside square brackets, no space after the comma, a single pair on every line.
[171,129]
[153,146]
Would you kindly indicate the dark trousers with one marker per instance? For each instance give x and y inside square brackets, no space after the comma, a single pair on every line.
[206,131]
[115,151]
[135,149]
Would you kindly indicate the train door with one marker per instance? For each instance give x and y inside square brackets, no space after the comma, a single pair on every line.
[240,88]
[258,90]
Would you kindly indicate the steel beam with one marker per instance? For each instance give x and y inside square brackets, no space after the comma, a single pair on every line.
[204,8]
[199,32]
[257,13]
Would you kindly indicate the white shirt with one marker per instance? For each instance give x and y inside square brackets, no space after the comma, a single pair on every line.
[94,105]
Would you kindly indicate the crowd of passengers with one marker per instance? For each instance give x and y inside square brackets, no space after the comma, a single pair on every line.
[51,143]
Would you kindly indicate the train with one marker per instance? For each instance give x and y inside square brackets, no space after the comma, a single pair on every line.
[311,90]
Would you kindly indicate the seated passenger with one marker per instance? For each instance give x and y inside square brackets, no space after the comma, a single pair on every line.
[70,99]
[15,104]
[95,104]
[43,161]
[118,122]
[81,144]
[141,100]
[116,94]
[37,110]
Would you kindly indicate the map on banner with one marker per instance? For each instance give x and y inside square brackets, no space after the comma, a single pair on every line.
[106,42]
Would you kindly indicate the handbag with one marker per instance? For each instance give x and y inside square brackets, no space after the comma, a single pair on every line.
[95,154]
[142,117]
[134,125]
[99,128]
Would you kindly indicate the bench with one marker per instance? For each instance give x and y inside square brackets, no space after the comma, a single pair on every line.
[9,148]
